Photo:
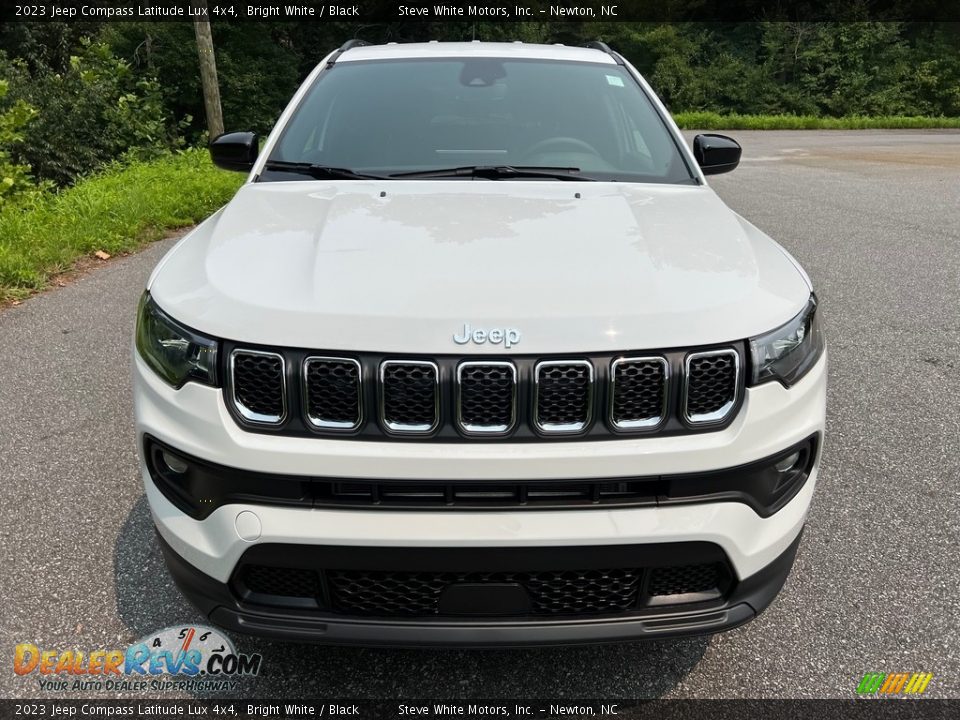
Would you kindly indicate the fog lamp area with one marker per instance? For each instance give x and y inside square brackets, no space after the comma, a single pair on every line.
[766,485]
[198,488]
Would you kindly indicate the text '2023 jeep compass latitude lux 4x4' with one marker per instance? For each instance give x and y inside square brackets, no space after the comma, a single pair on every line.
[476,356]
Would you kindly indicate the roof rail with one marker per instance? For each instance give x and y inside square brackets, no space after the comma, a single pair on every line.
[603,47]
[351,43]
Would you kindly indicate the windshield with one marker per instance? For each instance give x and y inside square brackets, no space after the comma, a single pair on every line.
[406,116]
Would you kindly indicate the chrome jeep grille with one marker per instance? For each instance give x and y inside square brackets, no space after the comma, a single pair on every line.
[452,398]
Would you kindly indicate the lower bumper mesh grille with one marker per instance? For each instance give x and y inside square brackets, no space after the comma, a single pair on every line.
[281,581]
[560,592]
[683,579]
[396,593]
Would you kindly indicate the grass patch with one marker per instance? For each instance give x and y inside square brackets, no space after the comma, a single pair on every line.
[716,121]
[117,210]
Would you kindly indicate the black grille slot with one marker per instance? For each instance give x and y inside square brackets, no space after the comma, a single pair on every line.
[258,386]
[486,397]
[639,393]
[686,579]
[711,385]
[281,581]
[553,592]
[332,392]
[408,392]
[564,396]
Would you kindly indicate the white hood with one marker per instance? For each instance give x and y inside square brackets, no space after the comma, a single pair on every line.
[401,266]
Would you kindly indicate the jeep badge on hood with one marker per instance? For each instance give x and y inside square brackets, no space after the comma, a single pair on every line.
[508,336]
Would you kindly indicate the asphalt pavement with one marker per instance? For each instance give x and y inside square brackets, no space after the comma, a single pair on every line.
[873,216]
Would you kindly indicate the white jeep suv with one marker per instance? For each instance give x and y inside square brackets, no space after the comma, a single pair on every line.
[477,357]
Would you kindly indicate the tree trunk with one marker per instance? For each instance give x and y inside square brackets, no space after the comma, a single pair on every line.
[208,70]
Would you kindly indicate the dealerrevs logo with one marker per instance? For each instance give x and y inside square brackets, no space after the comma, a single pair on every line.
[196,657]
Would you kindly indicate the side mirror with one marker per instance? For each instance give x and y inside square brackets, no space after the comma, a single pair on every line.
[716,154]
[235,151]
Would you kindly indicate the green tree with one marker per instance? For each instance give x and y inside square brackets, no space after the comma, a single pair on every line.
[15,180]
[95,111]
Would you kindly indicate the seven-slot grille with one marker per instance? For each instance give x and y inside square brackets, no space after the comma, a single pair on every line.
[295,392]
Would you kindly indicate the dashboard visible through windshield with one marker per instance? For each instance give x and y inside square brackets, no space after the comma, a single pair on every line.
[432,117]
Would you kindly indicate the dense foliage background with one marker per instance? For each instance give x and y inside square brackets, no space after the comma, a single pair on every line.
[97,120]
[76,96]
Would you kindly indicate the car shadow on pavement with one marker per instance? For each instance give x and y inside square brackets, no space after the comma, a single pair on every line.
[148,600]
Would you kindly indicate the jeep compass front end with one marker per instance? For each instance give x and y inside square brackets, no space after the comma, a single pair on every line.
[477,357]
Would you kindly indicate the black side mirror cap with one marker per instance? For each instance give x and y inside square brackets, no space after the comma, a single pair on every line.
[716,154]
[235,151]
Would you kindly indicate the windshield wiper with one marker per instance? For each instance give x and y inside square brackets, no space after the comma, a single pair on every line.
[499,172]
[320,172]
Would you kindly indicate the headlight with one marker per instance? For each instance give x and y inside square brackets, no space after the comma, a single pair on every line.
[787,353]
[174,352]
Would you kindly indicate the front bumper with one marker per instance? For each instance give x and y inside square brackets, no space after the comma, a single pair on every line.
[204,554]
[219,603]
